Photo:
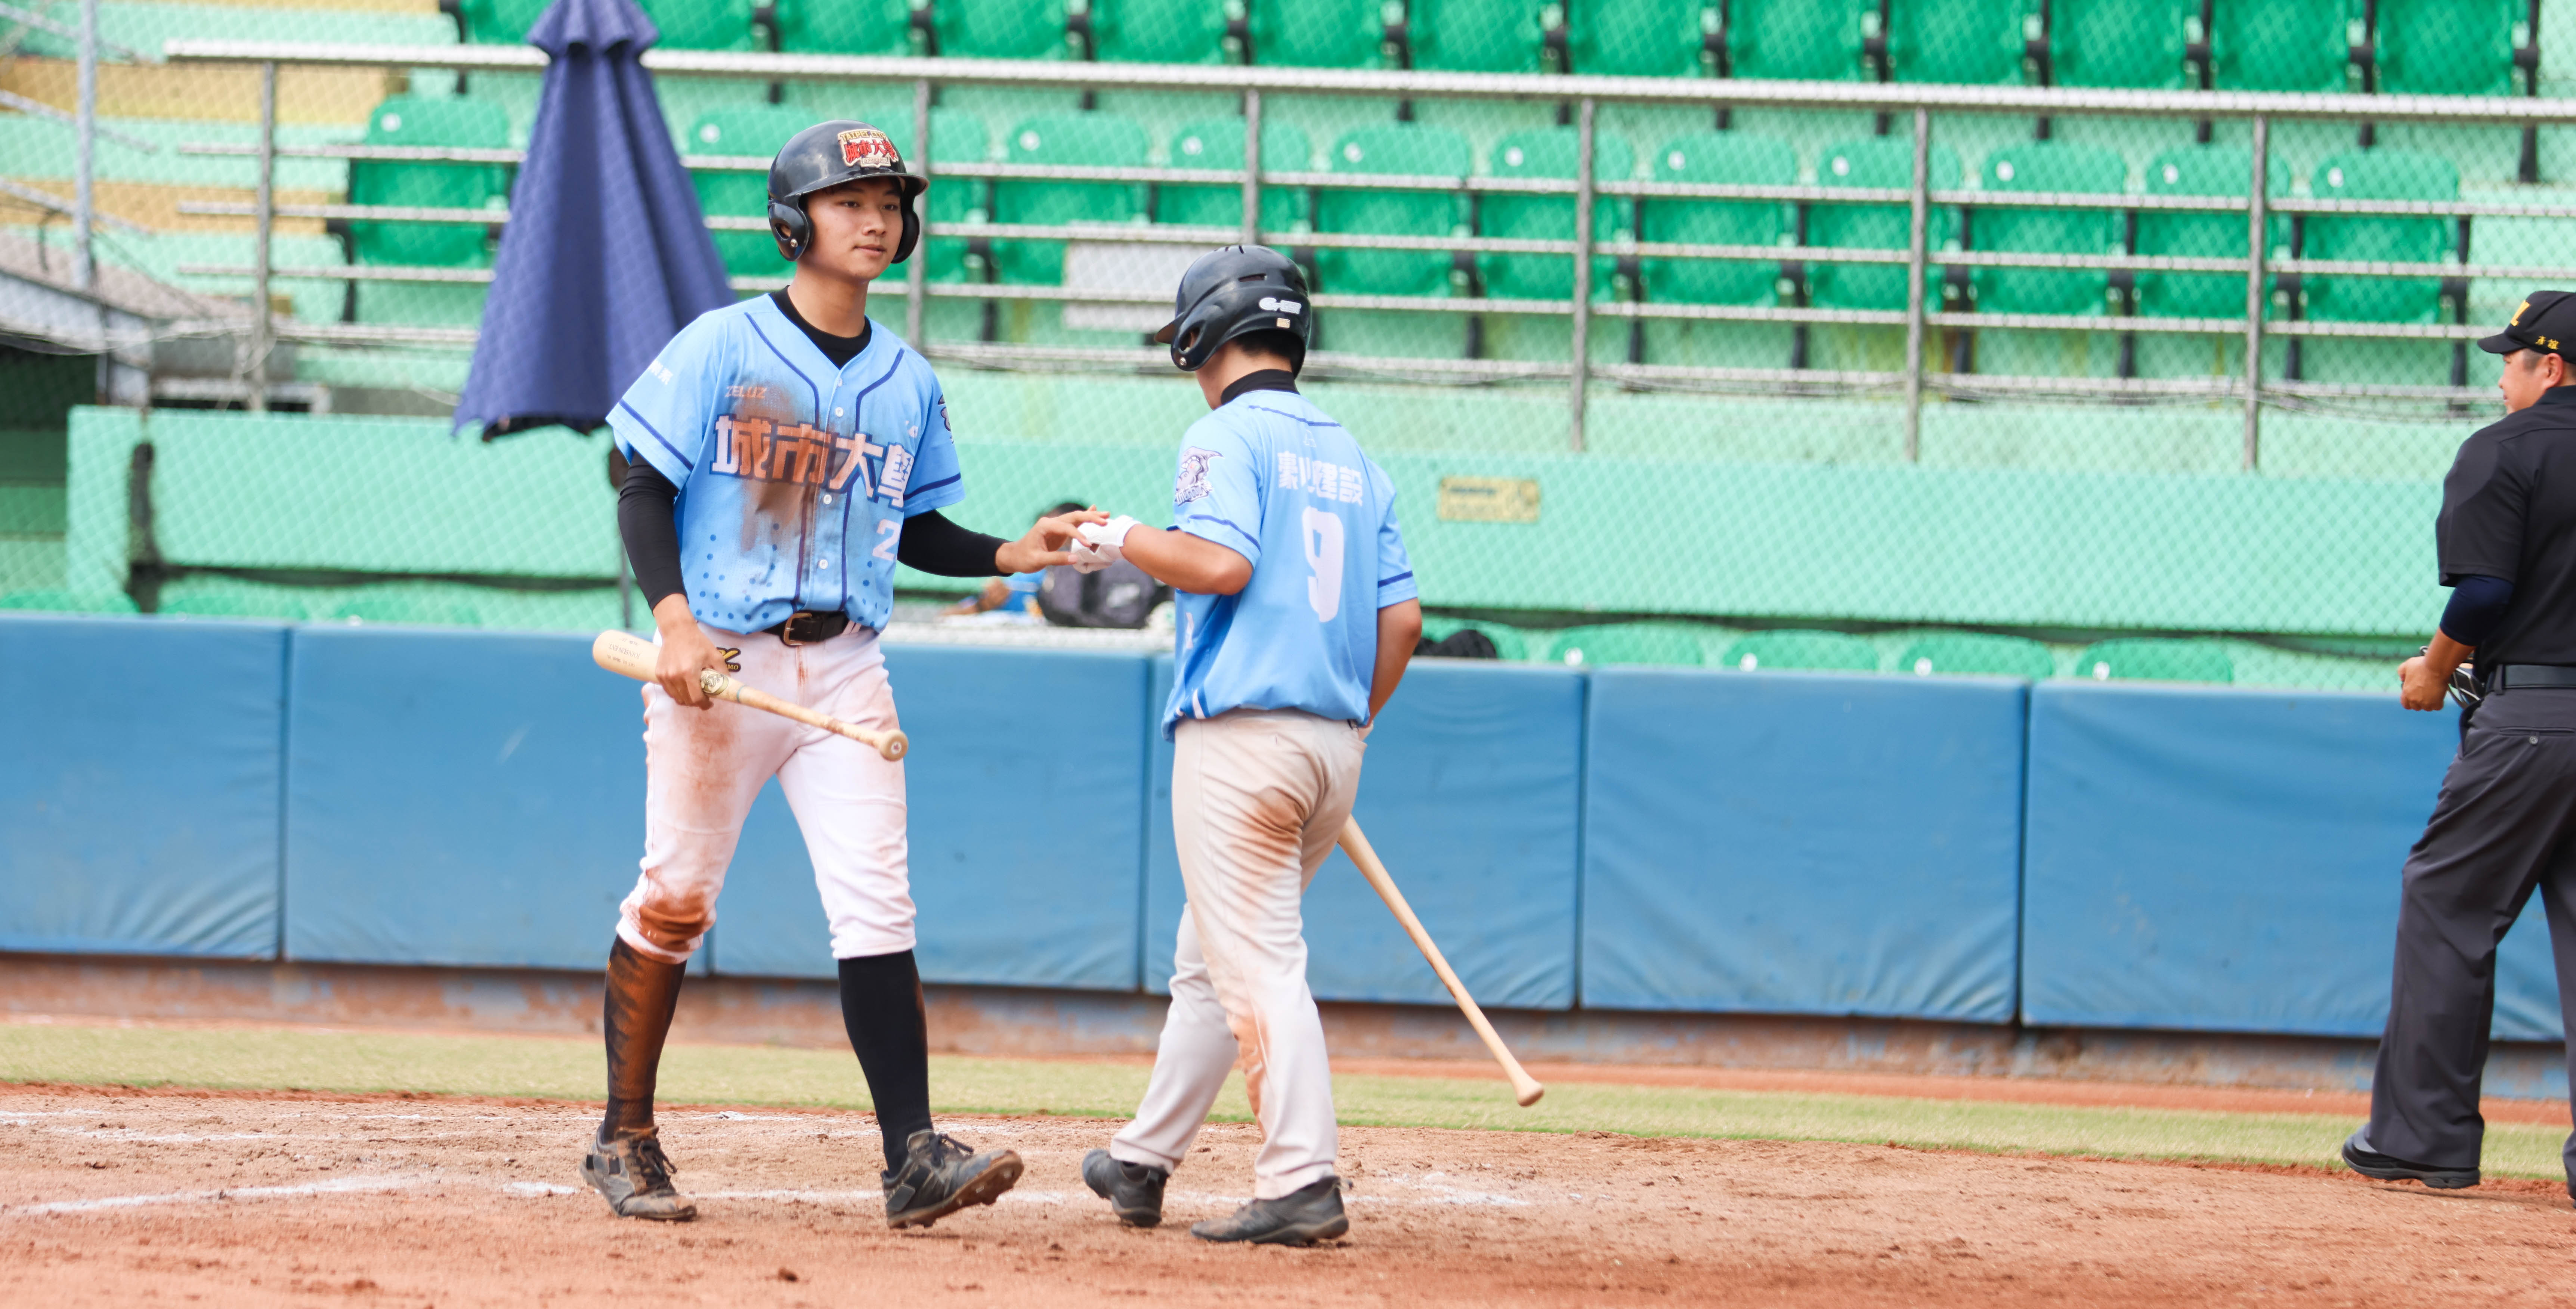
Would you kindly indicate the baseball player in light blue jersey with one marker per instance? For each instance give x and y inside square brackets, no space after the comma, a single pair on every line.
[784,454]
[1297,617]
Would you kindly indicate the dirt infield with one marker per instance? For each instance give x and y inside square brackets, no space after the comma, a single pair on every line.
[241,1199]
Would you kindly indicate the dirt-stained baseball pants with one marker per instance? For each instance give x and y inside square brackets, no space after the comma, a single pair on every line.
[1258,797]
[703,769]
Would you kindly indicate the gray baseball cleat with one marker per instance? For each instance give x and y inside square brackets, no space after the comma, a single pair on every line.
[2359,1157]
[635,1175]
[941,1175]
[1304,1216]
[1134,1191]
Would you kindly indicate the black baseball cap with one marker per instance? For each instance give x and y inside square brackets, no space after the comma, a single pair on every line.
[2546,322]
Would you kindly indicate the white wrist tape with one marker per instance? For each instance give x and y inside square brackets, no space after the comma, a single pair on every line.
[1107,539]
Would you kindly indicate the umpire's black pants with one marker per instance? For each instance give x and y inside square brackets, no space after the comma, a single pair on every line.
[2505,825]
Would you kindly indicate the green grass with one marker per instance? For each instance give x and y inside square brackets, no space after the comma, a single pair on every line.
[565,1068]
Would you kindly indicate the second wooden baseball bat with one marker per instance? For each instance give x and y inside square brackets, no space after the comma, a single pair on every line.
[633,656]
[1525,1088]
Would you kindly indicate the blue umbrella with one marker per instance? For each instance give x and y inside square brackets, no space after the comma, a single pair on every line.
[606,254]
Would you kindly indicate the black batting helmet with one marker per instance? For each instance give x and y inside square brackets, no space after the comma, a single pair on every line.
[1234,292]
[824,156]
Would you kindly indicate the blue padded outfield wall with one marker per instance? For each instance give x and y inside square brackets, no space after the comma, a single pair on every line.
[139,777]
[2229,862]
[1803,843]
[2071,854]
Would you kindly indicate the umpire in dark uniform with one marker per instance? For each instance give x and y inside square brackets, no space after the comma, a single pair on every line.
[2505,824]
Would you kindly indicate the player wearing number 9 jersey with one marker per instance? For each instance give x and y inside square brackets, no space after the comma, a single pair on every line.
[1297,615]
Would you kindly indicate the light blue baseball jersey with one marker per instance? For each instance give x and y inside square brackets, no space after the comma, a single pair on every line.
[1271,477]
[795,477]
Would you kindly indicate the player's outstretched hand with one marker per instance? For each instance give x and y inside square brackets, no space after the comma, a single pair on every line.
[686,652]
[1044,546]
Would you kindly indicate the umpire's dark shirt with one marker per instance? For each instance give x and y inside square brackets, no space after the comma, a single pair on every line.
[2509,511]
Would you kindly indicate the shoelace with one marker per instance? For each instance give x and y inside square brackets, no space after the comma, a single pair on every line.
[652,1167]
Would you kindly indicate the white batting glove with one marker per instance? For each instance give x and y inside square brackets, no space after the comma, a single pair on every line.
[1107,539]
[1085,559]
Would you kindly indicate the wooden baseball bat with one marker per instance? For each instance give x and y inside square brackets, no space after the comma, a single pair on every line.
[633,656]
[1525,1088]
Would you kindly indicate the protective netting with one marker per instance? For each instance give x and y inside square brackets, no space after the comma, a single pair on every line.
[1749,459]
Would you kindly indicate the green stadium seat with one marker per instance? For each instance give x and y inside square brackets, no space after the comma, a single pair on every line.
[754,129]
[2133,44]
[1510,643]
[1475,36]
[2449,47]
[701,24]
[1797,649]
[1552,152]
[225,604]
[1159,31]
[1089,140]
[451,121]
[1718,159]
[1218,144]
[1976,654]
[1873,162]
[415,609]
[844,27]
[500,22]
[1639,38]
[2211,170]
[1402,148]
[2048,166]
[1797,40]
[1000,29]
[2280,45]
[68,602]
[1979,42]
[1625,643]
[956,137]
[2379,175]
[1318,33]
[2150,659]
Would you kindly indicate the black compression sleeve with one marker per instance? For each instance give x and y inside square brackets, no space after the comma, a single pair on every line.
[651,531]
[933,544]
[2477,605]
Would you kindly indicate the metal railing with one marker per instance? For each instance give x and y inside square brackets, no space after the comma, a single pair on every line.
[1582,96]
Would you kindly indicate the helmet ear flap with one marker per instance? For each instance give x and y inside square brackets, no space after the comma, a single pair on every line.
[911,237]
[792,229]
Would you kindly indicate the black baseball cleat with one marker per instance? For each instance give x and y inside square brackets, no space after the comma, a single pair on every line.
[1304,1216]
[635,1175]
[1134,1191]
[2358,1156]
[941,1175]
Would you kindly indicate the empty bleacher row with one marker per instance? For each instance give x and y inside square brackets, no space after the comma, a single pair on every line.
[2438,47]
[1721,158]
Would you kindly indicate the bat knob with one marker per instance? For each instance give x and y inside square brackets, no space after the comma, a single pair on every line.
[895,746]
[1530,1096]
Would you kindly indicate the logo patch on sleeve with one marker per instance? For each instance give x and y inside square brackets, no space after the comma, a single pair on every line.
[1193,480]
[866,147]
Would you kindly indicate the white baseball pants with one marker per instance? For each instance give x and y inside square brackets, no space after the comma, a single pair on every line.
[703,769]
[1258,798]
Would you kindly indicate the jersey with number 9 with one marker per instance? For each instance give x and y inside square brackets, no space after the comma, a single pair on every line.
[1272,478]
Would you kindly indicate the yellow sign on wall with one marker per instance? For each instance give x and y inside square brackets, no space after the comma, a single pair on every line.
[1489,499]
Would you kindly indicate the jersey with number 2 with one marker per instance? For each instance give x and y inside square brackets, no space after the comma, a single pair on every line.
[1272,478]
[795,477]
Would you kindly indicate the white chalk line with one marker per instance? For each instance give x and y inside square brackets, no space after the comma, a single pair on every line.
[334,1186]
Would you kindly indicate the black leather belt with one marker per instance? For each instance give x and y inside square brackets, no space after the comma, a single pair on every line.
[2525,677]
[806,627]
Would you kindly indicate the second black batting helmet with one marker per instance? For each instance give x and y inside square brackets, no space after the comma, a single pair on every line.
[824,156]
[1233,292]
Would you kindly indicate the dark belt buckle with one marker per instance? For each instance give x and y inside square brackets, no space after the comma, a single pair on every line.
[805,627]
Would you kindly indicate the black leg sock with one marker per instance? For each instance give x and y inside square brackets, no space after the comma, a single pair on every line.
[882,1007]
[642,994]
